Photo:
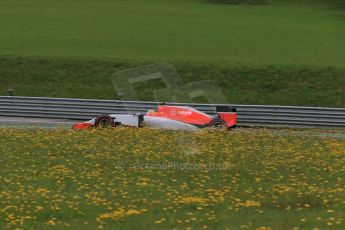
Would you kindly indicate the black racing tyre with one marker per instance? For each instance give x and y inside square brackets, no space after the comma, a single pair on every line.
[104,121]
[217,123]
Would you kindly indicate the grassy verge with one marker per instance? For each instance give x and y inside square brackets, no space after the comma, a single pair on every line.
[244,85]
[124,178]
[297,34]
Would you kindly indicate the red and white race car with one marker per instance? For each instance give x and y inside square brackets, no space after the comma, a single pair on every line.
[166,116]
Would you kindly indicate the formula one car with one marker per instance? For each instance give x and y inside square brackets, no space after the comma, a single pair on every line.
[166,116]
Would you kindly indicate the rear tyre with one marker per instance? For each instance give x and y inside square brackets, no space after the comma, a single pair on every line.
[104,121]
[217,123]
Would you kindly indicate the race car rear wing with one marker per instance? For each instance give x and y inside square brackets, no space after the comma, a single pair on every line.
[225,108]
[228,115]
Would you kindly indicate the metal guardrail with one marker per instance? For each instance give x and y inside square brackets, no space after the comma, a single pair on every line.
[248,115]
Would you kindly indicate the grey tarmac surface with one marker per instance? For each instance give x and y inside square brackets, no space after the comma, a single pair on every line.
[34,122]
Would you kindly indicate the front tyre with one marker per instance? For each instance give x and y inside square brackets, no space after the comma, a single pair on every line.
[104,121]
[217,123]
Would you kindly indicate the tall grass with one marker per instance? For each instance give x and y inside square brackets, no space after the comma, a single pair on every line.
[244,85]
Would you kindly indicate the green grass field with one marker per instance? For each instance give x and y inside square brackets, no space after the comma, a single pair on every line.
[275,53]
[93,79]
[177,31]
[124,178]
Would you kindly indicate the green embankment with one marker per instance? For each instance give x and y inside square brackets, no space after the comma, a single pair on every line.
[274,53]
[93,79]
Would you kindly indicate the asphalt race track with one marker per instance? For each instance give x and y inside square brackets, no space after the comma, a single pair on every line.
[36,122]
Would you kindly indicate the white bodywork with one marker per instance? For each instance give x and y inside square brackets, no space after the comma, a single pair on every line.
[124,119]
[149,121]
[159,122]
[128,120]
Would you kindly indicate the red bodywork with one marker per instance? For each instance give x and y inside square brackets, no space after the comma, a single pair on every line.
[191,116]
[229,118]
[82,125]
